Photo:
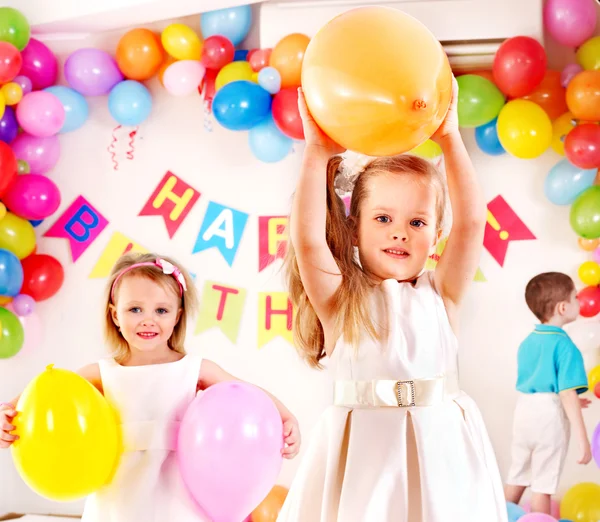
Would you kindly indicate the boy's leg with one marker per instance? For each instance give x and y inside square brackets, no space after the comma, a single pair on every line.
[540,503]
[513,493]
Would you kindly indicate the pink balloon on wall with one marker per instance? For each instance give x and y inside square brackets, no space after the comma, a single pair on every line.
[41,154]
[39,65]
[32,197]
[570,22]
[41,114]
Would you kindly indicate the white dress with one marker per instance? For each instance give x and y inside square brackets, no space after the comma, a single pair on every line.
[151,401]
[371,460]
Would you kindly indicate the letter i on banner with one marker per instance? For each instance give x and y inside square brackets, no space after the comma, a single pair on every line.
[272,239]
[172,199]
[115,248]
[275,317]
[80,224]
[222,306]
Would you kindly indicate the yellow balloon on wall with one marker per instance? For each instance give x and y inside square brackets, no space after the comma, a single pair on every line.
[581,503]
[560,128]
[13,93]
[181,42]
[233,72]
[588,54]
[594,378]
[589,273]
[17,235]
[69,441]
[428,149]
[524,129]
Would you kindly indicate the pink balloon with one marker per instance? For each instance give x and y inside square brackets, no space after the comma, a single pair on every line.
[596,255]
[554,509]
[537,517]
[570,22]
[25,83]
[41,114]
[569,72]
[39,65]
[32,196]
[183,77]
[33,330]
[41,154]
[229,449]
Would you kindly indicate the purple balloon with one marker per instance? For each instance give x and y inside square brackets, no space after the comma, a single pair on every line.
[32,197]
[229,449]
[570,22]
[39,65]
[92,72]
[569,72]
[40,153]
[23,305]
[8,125]
[25,84]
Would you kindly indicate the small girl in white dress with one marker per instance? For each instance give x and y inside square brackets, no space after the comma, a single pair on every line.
[402,442]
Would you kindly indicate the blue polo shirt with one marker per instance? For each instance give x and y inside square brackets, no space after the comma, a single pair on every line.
[549,362]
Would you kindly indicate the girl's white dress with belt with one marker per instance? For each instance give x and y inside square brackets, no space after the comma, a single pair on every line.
[374,458]
[151,401]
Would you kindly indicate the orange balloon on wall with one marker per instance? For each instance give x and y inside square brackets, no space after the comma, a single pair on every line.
[550,95]
[377,81]
[270,507]
[139,54]
[583,96]
[287,58]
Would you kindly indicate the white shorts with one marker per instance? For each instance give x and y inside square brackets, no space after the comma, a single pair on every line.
[540,442]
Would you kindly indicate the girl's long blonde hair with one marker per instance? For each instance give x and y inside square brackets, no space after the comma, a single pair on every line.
[188,306]
[350,301]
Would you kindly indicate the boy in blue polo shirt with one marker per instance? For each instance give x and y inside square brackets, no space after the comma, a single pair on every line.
[551,375]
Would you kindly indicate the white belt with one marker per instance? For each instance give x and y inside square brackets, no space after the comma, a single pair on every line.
[404,394]
[149,435]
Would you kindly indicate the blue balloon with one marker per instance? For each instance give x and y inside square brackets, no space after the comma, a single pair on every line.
[11,273]
[75,105]
[129,102]
[241,105]
[269,79]
[268,143]
[514,512]
[35,222]
[241,55]
[233,23]
[565,182]
[486,137]
[8,125]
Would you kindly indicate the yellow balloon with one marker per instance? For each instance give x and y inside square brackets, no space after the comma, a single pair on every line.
[560,128]
[17,235]
[593,378]
[69,442]
[588,55]
[428,149]
[2,210]
[589,273]
[12,93]
[2,104]
[524,129]
[181,42]
[581,503]
[233,72]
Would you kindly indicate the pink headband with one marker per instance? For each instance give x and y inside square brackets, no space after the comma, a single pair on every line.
[165,266]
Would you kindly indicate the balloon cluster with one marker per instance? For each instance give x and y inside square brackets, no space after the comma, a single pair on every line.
[27,196]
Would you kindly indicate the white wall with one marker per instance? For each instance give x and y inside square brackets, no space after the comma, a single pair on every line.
[220,165]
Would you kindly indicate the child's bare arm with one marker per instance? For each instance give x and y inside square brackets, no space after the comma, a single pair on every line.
[572,406]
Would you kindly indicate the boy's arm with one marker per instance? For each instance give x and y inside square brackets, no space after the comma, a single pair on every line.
[572,406]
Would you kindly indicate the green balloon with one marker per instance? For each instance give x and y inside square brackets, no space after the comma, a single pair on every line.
[14,27]
[11,334]
[479,100]
[585,214]
[23,167]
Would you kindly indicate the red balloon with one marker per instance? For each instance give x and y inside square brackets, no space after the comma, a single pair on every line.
[43,276]
[582,146]
[217,52]
[519,66]
[597,390]
[259,59]
[589,301]
[10,62]
[8,167]
[286,114]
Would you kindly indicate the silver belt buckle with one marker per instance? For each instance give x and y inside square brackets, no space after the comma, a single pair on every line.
[405,393]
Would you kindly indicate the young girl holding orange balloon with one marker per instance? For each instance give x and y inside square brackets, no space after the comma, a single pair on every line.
[401,442]
[150,381]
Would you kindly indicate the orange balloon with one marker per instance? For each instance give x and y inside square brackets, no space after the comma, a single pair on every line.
[583,95]
[5,299]
[550,95]
[270,507]
[140,54]
[287,58]
[377,81]
[587,244]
